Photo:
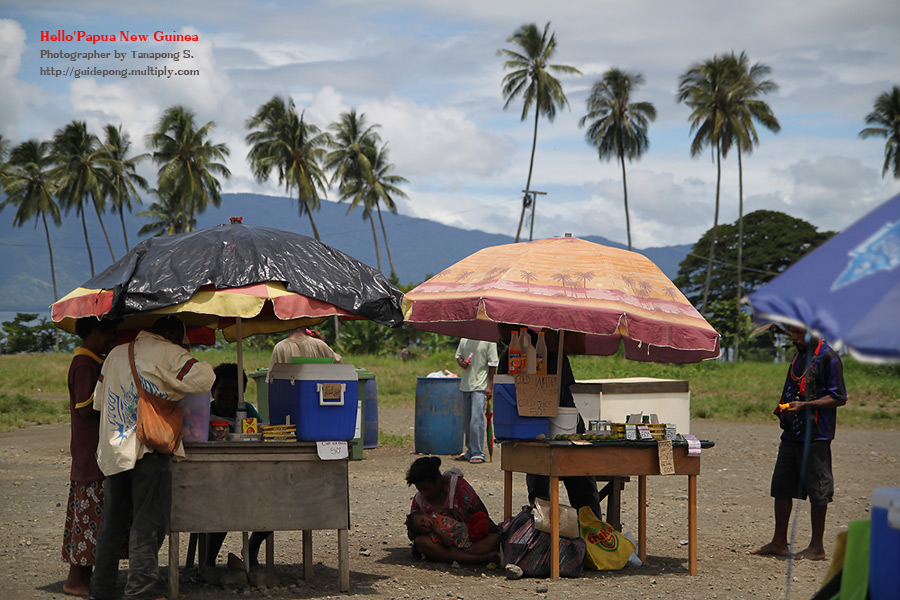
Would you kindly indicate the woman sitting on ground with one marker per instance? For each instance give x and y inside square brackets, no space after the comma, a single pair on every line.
[449,494]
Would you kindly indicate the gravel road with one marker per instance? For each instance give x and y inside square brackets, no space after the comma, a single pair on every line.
[735,514]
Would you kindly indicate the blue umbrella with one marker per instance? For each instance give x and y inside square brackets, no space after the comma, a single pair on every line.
[847,290]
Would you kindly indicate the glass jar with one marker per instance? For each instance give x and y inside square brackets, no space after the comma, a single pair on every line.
[218,430]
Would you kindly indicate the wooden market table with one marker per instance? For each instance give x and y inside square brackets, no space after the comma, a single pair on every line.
[612,459]
[260,486]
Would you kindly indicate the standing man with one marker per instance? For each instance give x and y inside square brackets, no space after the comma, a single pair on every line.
[581,489]
[301,342]
[813,390]
[478,360]
[85,503]
[138,481]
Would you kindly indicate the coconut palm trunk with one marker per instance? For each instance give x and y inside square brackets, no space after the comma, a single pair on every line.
[374,238]
[625,192]
[105,235]
[740,248]
[386,245]
[528,194]
[87,241]
[124,233]
[52,275]
[715,230]
[312,223]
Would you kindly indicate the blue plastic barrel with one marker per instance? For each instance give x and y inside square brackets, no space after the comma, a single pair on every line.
[439,416]
[370,432]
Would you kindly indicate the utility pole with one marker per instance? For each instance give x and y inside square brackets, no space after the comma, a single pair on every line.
[533,194]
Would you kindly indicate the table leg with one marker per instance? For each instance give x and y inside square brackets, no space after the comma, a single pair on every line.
[507,494]
[192,551]
[692,524]
[642,517]
[554,528]
[245,550]
[202,558]
[614,503]
[173,565]
[307,555]
[343,560]
[270,558]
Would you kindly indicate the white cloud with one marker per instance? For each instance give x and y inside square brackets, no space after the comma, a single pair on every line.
[428,73]
[16,95]
[12,45]
[438,141]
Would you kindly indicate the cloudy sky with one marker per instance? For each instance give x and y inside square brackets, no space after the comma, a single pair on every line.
[428,72]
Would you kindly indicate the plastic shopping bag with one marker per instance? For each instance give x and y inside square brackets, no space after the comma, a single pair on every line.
[568,518]
[607,549]
[523,545]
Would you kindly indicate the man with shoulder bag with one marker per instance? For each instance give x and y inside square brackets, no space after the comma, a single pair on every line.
[137,396]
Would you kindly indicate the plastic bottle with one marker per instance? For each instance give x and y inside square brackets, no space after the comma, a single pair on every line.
[515,354]
[239,416]
[527,352]
[540,355]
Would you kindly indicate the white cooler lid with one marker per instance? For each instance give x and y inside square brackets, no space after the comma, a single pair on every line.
[888,499]
[313,372]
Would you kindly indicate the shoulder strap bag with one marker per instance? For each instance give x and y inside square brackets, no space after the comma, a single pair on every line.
[159,421]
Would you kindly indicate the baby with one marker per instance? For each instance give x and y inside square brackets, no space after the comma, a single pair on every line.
[444,530]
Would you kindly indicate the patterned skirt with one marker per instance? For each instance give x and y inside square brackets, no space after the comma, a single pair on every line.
[82,522]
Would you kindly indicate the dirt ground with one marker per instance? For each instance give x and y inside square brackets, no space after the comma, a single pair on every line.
[735,516]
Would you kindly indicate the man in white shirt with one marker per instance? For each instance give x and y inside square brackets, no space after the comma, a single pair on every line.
[478,360]
[301,342]
[138,483]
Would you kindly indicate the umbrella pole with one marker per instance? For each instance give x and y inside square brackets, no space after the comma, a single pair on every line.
[240,366]
[242,410]
[559,364]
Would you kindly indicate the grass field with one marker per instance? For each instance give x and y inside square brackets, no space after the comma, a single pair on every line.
[33,388]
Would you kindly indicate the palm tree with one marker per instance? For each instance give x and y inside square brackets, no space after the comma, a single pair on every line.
[887,118]
[29,186]
[531,80]
[80,174]
[188,161]
[750,83]
[353,142]
[706,88]
[4,147]
[169,216]
[383,188]
[618,127]
[282,140]
[123,178]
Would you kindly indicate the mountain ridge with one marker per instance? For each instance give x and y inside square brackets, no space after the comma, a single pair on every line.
[420,247]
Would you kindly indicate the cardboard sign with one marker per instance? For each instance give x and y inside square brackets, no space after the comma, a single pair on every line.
[331,391]
[332,450]
[666,459]
[537,395]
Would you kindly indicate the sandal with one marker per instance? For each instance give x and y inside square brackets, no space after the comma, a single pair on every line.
[476,461]
[461,457]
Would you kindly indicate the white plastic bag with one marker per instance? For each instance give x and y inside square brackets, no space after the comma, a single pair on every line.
[633,559]
[568,518]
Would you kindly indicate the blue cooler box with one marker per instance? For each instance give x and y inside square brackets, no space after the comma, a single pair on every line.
[321,412]
[884,549]
[508,425]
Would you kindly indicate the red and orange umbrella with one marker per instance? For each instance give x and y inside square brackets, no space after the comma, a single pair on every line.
[266,308]
[271,280]
[614,297]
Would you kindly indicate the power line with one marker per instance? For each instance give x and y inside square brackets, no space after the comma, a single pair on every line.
[730,264]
